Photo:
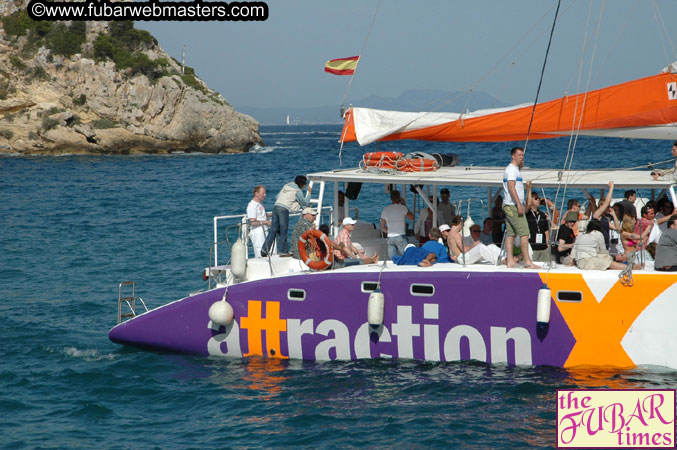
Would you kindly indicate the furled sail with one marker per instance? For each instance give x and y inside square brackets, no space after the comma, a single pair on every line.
[643,109]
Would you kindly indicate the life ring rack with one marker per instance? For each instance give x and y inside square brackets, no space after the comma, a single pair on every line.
[327,259]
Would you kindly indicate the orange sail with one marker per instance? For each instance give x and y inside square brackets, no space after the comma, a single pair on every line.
[644,108]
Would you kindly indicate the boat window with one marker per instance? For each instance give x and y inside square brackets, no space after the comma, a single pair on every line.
[369,286]
[569,296]
[425,290]
[297,295]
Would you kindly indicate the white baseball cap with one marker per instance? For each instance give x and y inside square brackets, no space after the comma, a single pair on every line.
[349,221]
[444,227]
[309,210]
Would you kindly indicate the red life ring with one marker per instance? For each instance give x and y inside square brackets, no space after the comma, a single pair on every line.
[417,165]
[327,257]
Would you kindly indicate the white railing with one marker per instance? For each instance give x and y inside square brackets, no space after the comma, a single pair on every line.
[241,221]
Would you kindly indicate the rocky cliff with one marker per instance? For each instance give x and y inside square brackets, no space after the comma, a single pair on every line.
[105,98]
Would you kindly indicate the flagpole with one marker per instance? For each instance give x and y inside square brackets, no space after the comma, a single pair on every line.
[371,27]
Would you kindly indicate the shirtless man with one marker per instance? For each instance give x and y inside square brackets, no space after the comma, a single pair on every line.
[476,252]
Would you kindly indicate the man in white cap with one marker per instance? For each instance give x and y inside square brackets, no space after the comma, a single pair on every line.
[444,229]
[345,252]
[305,223]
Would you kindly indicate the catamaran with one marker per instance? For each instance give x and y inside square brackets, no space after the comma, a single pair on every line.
[562,316]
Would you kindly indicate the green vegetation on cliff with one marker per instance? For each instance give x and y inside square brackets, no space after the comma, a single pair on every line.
[61,39]
[123,44]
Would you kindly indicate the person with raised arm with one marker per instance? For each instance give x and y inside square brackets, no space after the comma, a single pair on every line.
[289,199]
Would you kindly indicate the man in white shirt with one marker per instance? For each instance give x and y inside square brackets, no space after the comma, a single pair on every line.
[393,222]
[514,209]
[258,220]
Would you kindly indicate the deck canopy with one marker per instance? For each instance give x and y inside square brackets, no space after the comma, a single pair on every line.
[493,177]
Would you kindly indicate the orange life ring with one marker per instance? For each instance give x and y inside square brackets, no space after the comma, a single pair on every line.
[417,165]
[382,155]
[383,160]
[327,259]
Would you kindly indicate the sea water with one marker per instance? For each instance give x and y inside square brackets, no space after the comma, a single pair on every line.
[73,227]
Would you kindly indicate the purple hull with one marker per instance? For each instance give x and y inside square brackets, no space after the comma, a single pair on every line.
[484,316]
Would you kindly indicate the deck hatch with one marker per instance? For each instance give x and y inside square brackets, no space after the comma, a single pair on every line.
[569,296]
[297,295]
[422,290]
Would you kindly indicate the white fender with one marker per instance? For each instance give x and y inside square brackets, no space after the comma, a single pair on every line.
[238,259]
[221,313]
[375,308]
[543,306]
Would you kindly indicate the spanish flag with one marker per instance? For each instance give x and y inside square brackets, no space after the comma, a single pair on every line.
[342,66]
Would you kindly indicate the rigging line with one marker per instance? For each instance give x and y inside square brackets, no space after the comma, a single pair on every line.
[495,67]
[470,87]
[667,35]
[570,149]
[585,99]
[540,82]
[534,42]
[343,136]
[656,14]
[573,121]
[371,27]
[618,37]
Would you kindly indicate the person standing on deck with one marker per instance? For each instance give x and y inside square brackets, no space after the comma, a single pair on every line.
[289,199]
[258,220]
[445,210]
[513,207]
[539,227]
[393,222]
[628,203]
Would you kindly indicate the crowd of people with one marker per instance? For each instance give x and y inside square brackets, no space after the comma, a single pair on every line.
[526,226]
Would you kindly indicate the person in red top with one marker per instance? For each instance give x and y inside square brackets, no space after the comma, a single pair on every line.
[648,215]
[345,252]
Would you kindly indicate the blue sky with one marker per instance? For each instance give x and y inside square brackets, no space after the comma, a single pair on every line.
[433,44]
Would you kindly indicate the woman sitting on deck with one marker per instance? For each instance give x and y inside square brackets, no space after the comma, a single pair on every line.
[590,253]
[632,242]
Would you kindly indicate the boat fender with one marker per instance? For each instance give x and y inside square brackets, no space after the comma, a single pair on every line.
[221,313]
[238,260]
[543,306]
[375,308]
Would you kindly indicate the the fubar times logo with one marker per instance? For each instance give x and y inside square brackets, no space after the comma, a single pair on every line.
[608,418]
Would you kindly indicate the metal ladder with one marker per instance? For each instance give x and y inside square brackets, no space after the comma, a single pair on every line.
[129,300]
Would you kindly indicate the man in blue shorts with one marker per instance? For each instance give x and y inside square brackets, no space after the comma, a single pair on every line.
[514,209]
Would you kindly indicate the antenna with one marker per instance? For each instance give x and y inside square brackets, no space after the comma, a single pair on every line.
[183,60]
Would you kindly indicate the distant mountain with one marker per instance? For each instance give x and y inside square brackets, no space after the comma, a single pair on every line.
[411,100]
